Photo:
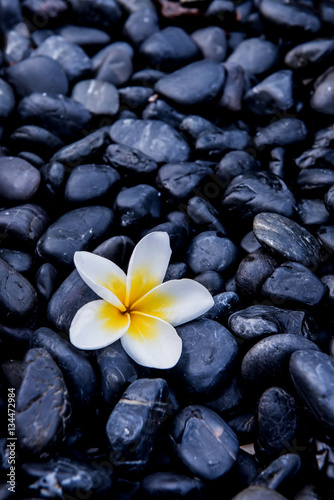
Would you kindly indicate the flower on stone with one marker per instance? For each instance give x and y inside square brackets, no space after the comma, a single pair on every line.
[137,308]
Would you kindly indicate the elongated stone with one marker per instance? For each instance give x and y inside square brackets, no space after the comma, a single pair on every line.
[24,223]
[17,296]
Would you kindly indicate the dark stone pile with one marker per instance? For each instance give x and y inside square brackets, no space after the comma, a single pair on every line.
[212,121]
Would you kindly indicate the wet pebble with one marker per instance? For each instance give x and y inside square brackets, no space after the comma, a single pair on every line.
[99,97]
[309,54]
[258,493]
[19,180]
[7,99]
[314,181]
[214,143]
[272,94]
[234,87]
[212,42]
[170,484]
[116,68]
[128,160]
[211,251]
[225,304]
[160,110]
[212,281]
[255,55]
[45,280]
[20,261]
[282,132]
[18,298]
[35,139]
[323,98]
[180,179]
[24,223]
[299,18]
[90,184]
[252,272]
[138,204]
[313,212]
[235,163]
[140,25]
[204,215]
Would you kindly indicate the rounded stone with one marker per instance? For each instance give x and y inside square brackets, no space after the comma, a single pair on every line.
[18,298]
[212,42]
[19,180]
[323,97]
[7,99]
[91,183]
[138,204]
[180,179]
[272,94]
[282,132]
[211,251]
[255,55]
[100,98]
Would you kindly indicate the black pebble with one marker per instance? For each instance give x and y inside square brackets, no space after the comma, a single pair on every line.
[138,204]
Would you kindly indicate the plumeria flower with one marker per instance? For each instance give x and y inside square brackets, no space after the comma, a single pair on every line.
[137,308]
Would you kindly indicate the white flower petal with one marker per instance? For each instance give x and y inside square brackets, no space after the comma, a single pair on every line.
[152,342]
[103,276]
[176,301]
[98,324]
[148,265]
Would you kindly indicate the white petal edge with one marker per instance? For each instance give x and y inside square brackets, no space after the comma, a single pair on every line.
[176,301]
[149,260]
[96,270]
[87,331]
[162,349]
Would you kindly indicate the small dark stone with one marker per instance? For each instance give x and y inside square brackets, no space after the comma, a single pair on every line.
[222,11]
[293,284]
[90,184]
[180,179]
[129,160]
[114,48]
[193,84]
[254,192]
[313,212]
[53,180]
[154,138]
[208,356]
[49,11]
[218,444]
[176,271]
[235,163]
[287,240]
[194,125]
[278,160]
[243,423]
[76,230]
[255,322]
[309,54]
[17,337]
[135,421]
[140,25]
[320,157]
[249,243]
[70,56]
[32,158]
[160,110]
[204,215]
[211,251]
[312,375]
[177,232]
[19,180]
[99,97]
[60,115]
[326,236]
[24,223]
[172,485]
[323,98]
[45,280]
[20,261]
[147,77]
[42,403]
[255,55]
[7,99]
[214,143]
[266,363]
[212,281]
[106,13]
[233,90]
[225,303]
[258,493]
[229,398]
[35,139]
[169,48]
[135,97]
[282,132]
[138,204]
[272,94]
[252,272]
[17,47]
[279,472]
[84,36]
[116,67]
[329,200]
[212,42]
[17,296]
[78,373]
[314,181]
[37,74]
[290,18]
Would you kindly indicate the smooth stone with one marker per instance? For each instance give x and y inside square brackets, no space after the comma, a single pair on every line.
[326,237]
[322,100]
[176,271]
[252,272]
[204,215]
[17,296]
[319,157]
[314,181]
[312,375]
[282,132]
[222,11]
[178,235]
[17,337]
[169,48]
[35,139]
[103,54]
[11,14]
[313,212]
[116,68]
[117,370]
[180,179]
[277,165]
[32,158]
[173,485]
[19,180]
[17,47]
[37,74]
[60,115]
[233,90]
[258,493]
[77,370]
[22,262]
[91,184]
[249,243]
[211,251]
[295,285]
[74,231]
[25,223]
[328,279]
[212,281]
[199,428]
[106,13]
[293,17]
[329,200]
[146,77]
[215,143]
[7,99]
[229,399]
[142,406]
[84,36]
[194,125]
[255,192]
[287,240]
[53,180]
[160,110]
[211,42]
[100,98]
[70,56]
[135,97]
[225,304]
[140,25]
[129,160]
[69,474]
[266,363]
[208,356]
[255,55]
[73,293]
[243,423]
[45,280]
[194,84]
[42,403]
[154,138]
[83,150]
[309,54]
[277,421]
[48,11]
[258,321]
[280,471]
[272,94]
[138,204]
[235,163]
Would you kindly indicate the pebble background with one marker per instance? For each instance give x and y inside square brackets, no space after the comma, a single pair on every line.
[213,121]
